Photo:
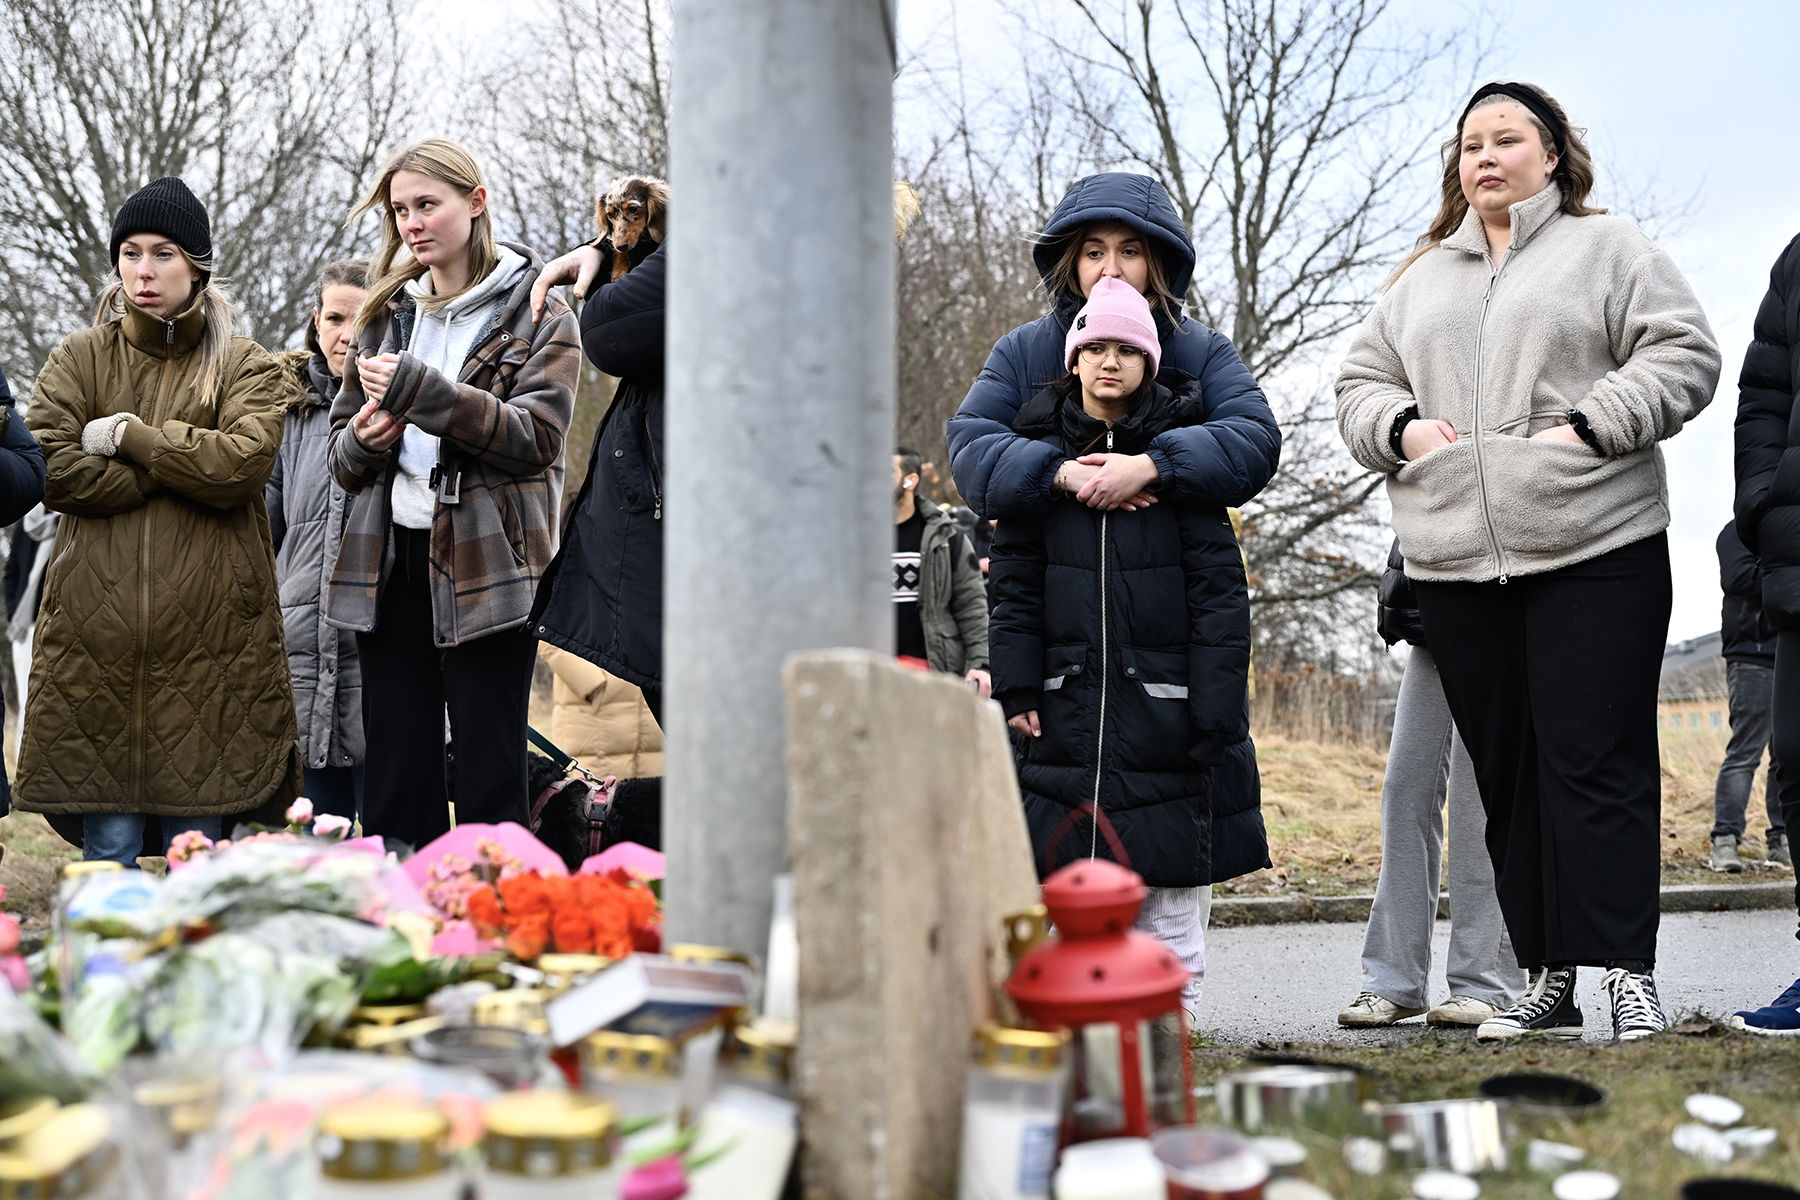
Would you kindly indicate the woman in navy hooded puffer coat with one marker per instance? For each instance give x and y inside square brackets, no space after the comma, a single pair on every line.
[1126,225]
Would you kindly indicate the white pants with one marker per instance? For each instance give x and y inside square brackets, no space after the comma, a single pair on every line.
[1177,918]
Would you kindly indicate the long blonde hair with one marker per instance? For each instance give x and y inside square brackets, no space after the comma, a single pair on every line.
[1574,173]
[215,310]
[446,162]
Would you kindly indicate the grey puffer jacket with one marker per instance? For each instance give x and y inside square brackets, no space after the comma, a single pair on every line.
[307,510]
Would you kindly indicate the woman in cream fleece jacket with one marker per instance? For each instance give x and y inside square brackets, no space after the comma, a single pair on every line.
[1513,382]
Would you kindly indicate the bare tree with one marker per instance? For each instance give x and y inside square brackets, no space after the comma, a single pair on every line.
[274,119]
[1288,133]
[598,108]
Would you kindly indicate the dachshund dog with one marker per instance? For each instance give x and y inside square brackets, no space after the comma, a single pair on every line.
[631,209]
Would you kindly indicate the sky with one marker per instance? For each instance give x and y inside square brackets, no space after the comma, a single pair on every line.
[1696,97]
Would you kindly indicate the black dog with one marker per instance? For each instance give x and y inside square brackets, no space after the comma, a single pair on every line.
[577,820]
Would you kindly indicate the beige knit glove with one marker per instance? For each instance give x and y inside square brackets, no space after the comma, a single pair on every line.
[101,435]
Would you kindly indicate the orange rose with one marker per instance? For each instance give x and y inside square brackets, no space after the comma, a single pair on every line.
[525,895]
[484,909]
[572,932]
[529,936]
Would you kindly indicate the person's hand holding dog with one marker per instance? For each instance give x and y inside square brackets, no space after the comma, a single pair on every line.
[580,266]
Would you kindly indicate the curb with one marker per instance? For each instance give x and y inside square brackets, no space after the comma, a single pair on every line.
[1681,898]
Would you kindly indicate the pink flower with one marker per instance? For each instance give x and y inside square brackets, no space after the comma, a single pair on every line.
[189,845]
[331,825]
[300,811]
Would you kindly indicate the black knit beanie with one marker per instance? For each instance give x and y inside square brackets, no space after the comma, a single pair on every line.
[165,206]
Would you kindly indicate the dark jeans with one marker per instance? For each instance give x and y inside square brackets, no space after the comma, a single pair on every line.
[1552,681]
[409,779]
[1786,737]
[1751,686]
[334,790]
[119,837]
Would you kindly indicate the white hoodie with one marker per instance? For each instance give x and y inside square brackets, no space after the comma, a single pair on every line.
[442,340]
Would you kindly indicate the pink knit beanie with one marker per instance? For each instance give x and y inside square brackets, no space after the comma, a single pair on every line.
[1115,312]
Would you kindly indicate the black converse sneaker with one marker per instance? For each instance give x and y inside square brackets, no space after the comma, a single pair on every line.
[1636,1010]
[1547,1007]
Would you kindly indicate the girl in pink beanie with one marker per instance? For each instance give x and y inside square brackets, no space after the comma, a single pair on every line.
[1120,637]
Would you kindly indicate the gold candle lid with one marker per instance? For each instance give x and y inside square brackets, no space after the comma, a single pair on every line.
[1024,930]
[692,953]
[515,1008]
[1027,1052]
[98,866]
[564,971]
[544,1135]
[186,1106]
[763,1050]
[630,1056]
[20,1117]
[386,1016]
[383,1141]
[66,1155]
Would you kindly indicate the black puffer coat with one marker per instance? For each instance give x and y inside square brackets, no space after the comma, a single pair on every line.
[1396,604]
[1744,632]
[1222,462]
[1129,633]
[1768,442]
[602,595]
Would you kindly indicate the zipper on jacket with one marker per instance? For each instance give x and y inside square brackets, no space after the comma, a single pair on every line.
[140,650]
[1105,674]
[655,468]
[168,333]
[1475,432]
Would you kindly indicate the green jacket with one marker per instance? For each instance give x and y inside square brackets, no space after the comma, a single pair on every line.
[953,604]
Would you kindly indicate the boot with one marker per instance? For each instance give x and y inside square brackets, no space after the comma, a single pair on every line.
[1725,854]
[1779,853]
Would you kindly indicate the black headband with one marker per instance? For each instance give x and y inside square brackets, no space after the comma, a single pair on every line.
[1531,99]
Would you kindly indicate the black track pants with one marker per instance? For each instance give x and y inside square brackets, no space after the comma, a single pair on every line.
[409,684]
[1552,680]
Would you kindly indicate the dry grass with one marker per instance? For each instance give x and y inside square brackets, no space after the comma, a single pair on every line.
[1645,1082]
[34,855]
[1322,806]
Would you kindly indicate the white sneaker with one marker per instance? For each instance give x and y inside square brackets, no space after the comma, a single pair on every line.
[1369,1011]
[1637,1011]
[1461,1010]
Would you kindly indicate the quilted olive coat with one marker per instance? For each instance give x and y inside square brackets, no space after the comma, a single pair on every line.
[160,681]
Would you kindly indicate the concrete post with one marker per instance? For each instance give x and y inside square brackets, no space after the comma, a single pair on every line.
[780,415]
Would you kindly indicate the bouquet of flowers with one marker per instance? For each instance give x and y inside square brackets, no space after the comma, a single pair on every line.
[610,915]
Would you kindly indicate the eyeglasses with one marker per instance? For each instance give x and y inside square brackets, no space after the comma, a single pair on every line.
[1128,355]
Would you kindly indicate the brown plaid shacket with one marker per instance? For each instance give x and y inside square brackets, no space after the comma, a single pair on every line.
[502,421]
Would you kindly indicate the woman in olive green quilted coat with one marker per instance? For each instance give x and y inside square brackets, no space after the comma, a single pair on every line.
[159,684]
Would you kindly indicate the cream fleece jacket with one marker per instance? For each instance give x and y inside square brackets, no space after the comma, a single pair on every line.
[1583,313]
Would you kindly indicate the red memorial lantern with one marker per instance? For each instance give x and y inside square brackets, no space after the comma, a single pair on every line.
[1118,992]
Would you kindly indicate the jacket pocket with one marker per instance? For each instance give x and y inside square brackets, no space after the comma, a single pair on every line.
[506,503]
[1552,498]
[1153,712]
[243,576]
[1062,664]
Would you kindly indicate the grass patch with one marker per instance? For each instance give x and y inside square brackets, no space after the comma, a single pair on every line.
[33,857]
[1322,807]
[1646,1083]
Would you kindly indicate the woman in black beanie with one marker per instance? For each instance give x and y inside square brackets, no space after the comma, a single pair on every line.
[159,682]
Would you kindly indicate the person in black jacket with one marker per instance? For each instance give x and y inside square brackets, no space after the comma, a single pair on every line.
[601,597]
[21,487]
[1748,648]
[1120,640]
[1767,512]
[1118,225]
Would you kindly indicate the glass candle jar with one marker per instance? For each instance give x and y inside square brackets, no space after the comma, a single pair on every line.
[640,1075]
[1012,1112]
[564,971]
[386,1151]
[549,1146]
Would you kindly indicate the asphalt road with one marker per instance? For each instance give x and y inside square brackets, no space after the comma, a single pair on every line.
[1286,983]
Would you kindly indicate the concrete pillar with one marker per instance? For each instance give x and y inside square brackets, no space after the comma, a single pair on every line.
[780,415]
